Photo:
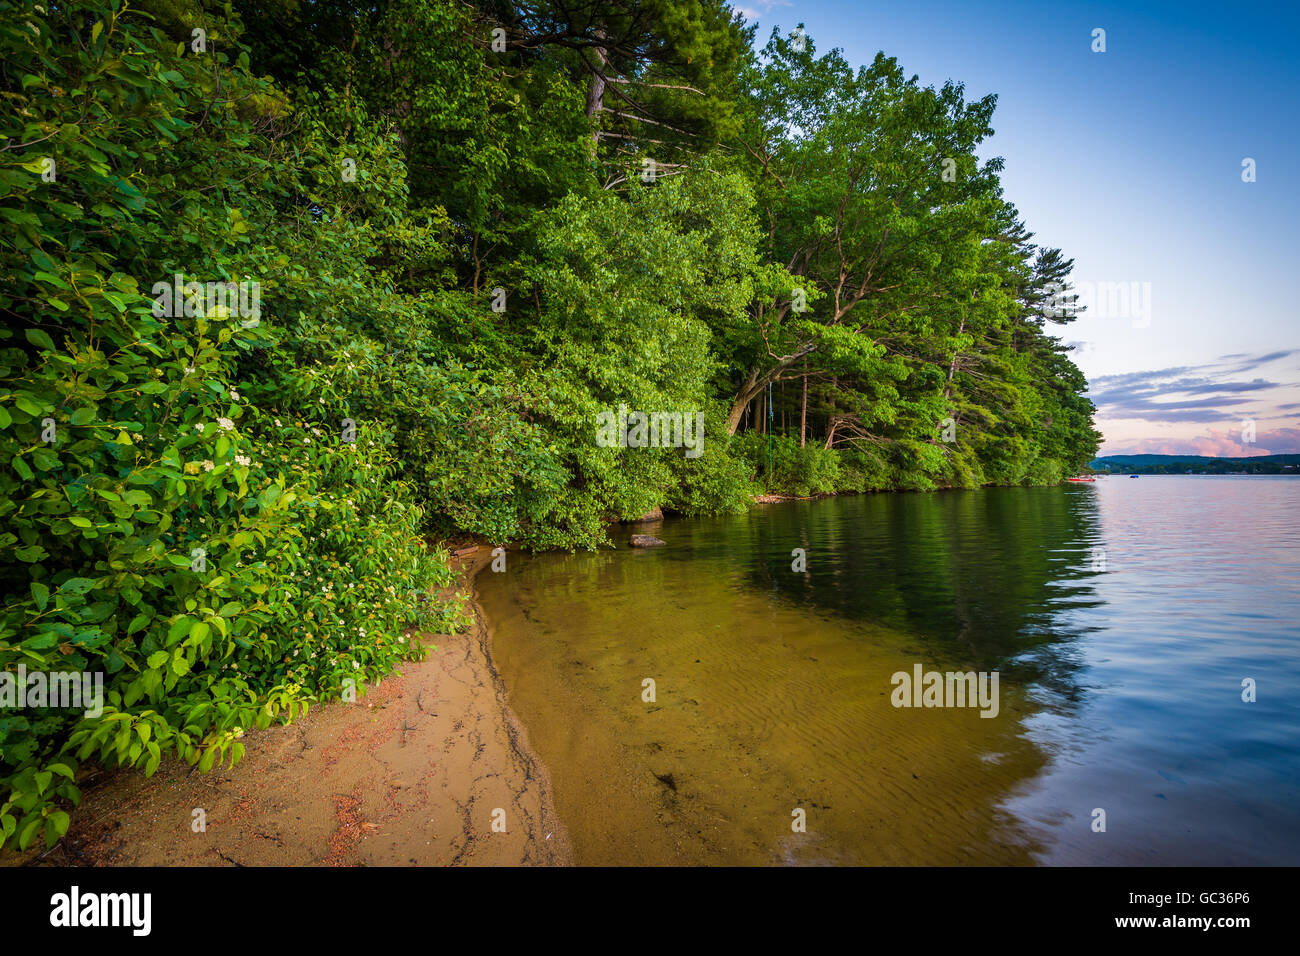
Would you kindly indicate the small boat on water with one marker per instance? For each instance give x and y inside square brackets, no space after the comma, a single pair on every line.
[1082,478]
[1135,476]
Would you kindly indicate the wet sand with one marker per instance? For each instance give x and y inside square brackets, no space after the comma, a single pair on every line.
[410,774]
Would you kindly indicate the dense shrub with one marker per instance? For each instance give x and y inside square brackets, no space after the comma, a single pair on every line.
[803,472]
[221,565]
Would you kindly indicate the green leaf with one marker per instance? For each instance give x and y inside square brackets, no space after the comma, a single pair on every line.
[29,832]
[41,339]
[45,459]
[43,276]
[40,594]
[179,628]
[57,824]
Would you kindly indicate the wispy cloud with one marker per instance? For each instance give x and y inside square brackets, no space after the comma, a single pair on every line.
[1205,407]
[1178,399]
[753,10]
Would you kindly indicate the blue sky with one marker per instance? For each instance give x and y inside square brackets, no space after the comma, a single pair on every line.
[1131,162]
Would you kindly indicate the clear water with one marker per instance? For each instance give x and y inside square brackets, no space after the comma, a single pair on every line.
[1120,679]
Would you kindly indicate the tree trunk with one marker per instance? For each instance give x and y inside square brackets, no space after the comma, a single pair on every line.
[756,382]
[742,402]
[803,415]
[596,91]
[952,366]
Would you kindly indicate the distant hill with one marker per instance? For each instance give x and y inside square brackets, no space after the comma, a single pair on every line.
[1197,464]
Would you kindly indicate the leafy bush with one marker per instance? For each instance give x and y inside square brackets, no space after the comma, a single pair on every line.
[1044,471]
[719,481]
[221,566]
[803,472]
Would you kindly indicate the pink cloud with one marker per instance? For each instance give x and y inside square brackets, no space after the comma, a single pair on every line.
[1218,444]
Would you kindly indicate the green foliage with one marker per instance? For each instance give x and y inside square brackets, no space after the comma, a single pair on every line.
[219,568]
[802,472]
[222,504]
[924,294]
[720,481]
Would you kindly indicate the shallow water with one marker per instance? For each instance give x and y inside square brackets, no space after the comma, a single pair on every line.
[1120,679]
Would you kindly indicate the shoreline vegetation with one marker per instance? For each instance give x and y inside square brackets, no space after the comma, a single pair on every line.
[407,775]
[293,291]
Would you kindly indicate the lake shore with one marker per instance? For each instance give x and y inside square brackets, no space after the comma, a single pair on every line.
[410,774]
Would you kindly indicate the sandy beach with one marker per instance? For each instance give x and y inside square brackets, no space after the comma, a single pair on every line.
[413,773]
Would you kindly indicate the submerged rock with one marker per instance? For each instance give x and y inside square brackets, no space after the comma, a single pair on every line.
[646,541]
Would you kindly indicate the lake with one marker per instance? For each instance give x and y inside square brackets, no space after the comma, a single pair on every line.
[1126,621]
